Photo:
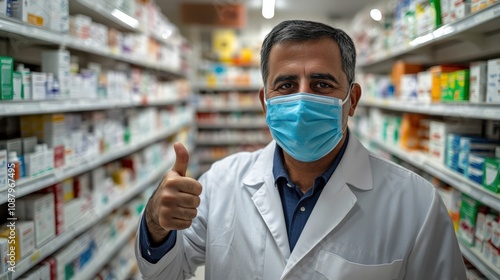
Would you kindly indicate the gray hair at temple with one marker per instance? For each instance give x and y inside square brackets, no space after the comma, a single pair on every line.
[301,31]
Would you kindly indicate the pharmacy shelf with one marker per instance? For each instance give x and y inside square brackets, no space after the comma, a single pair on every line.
[90,219]
[18,108]
[224,142]
[108,16]
[480,262]
[229,108]
[106,253]
[473,37]
[488,111]
[225,125]
[22,35]
[27,186]
[231,88]
[440,171]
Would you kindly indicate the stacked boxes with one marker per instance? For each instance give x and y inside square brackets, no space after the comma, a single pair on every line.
[40,209]
[493,84]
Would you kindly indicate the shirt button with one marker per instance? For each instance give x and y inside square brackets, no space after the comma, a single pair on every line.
[289,185]
[149,253]
[302,209]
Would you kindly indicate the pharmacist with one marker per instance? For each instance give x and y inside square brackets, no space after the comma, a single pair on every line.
[313,204]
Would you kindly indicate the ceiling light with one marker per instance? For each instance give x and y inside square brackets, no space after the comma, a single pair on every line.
[268,8]
[376,14]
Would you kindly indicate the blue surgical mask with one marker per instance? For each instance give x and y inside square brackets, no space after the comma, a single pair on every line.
[306,126]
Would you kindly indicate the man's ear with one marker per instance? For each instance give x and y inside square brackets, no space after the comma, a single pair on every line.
[262,93]
[355,97]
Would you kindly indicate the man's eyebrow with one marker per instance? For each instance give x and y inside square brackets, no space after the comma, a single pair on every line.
[284,78]
[324,76]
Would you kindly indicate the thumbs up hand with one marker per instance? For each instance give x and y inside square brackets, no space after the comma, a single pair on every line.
[173,205]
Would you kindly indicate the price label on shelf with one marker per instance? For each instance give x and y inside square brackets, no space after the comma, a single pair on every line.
[35,256]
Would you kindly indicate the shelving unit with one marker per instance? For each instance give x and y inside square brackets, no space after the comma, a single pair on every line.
[229,119]
[104,254]
[27,186]
[474,37]
[456,180]
[487,111]
[90,219]
[20,37]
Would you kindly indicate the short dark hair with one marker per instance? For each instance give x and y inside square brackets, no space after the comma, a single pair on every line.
[301,31]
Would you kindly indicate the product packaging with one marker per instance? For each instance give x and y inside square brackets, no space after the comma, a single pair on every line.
[6,78]
[3,170]
[40,209]
[467,223]
[477,81]
[25,237]
[58,193]
[58,63]
[38,83]
[491,178]
[4,250]
[493,85]
[17,86]
[461,91]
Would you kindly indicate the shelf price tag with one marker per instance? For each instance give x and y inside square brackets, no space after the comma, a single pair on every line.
[35,256]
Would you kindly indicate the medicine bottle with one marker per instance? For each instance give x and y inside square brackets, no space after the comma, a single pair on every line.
[15,164]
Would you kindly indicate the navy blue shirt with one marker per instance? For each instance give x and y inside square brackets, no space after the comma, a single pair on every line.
[297,206]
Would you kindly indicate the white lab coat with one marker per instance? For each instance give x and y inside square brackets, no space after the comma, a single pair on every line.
[373,220]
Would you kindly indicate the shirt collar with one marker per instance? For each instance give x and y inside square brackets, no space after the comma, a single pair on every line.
[279,170]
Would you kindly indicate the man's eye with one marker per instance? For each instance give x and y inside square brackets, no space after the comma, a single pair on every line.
[323,85]
[286,86]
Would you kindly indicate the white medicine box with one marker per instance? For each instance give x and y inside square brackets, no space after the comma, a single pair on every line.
[493,85]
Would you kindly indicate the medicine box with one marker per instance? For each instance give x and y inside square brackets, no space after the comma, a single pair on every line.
[40,209]
[58,192]
[477,82]
[17,86]
[491,177]
[4,250]
[58,63]
[445,11]
[3,170]
[461,90]
[31,11]
[6,78]
[5,8]
[25,237]
[467,222]
[38,82]
[493,84]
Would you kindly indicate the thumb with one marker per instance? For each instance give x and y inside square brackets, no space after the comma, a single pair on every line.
[181,159]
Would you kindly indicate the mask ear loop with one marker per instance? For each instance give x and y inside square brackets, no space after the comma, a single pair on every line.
[344,101]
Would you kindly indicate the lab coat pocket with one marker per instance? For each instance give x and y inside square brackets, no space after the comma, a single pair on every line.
[334,267]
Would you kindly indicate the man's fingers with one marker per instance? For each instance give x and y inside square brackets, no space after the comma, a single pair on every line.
[181,159]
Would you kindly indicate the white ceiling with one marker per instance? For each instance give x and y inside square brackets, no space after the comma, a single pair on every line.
[285,9]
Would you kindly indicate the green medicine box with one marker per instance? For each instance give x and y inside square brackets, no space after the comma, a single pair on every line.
[491,174]
[447,86]
[461,91]
[7,69]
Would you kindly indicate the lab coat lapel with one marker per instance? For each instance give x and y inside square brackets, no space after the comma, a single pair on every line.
[267,198]
[336,200]
[333,205]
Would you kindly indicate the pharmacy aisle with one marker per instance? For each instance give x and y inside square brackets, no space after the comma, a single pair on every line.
[93,95]
[431,103]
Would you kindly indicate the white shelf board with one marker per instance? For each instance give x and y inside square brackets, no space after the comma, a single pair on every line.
[480,262]
[475,32]
[242,125]
[223,142]
[489,111]
[90,219]
[20,34]
[106,253]
[108,16]
[18,108]
[228,108]
[27,186]
[237,88]
[442,172]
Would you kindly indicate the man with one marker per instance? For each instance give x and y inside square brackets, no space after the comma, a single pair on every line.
[313,204]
